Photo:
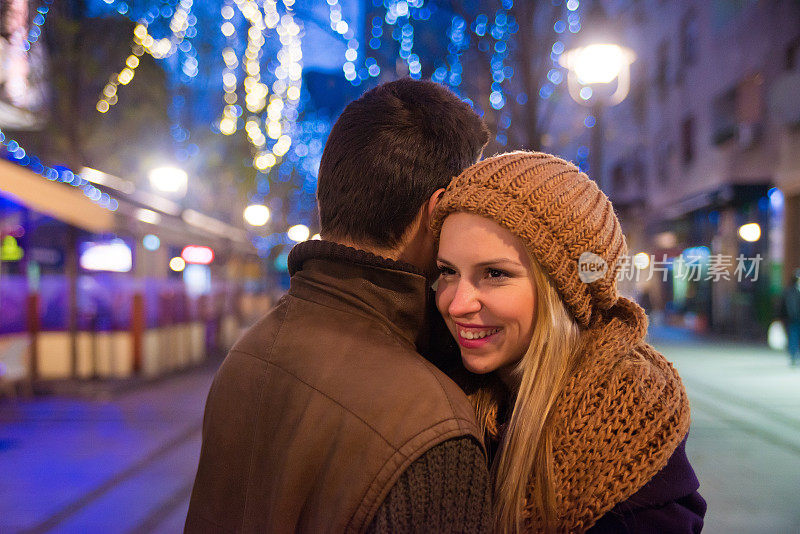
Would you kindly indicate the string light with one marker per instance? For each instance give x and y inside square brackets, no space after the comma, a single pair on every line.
[16,154]
[36,28]
[271,113]
[157,48]
[262,95]
[345,29]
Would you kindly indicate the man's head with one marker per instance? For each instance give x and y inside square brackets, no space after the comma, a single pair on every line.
[387,154]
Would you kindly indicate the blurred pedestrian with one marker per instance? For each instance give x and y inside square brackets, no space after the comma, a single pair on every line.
[790,315]
[589,422]
[324,416]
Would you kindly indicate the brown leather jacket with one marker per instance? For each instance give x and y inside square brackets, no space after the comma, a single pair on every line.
[321,406]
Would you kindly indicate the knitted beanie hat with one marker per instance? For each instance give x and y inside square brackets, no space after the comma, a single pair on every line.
[561,215]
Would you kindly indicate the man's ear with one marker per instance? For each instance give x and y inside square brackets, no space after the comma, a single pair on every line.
[435,198]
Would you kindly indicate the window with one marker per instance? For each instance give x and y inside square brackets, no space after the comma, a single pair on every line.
[663,158]
[618,185]
[663,67]
[792,52]
[687,140]
[639,94]
[750,99]
[723,12]
[723,117]
[689,41]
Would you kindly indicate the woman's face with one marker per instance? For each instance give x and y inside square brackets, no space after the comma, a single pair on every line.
[486,293]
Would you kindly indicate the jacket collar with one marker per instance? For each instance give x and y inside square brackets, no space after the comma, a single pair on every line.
[394,293]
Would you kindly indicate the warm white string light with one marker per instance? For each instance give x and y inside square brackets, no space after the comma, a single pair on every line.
[144,42]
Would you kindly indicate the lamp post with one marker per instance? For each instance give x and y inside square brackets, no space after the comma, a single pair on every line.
[593,65]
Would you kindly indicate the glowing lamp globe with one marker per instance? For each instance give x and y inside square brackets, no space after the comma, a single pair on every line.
[256,215]
[170,180]
[298,232]
[177,264]
[750,232]
[598,63]
[641,260]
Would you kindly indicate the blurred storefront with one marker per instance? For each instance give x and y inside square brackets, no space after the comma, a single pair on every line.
[722,267]
[87,291]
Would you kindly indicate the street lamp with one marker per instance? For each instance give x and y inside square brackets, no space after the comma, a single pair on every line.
[599,63]
[298,233]
[170,180]
[256,214]
[592,66]
[750,232]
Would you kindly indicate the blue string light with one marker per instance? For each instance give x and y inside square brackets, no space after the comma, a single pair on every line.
[36,28]
[556,74]
[337,23]
[16,154]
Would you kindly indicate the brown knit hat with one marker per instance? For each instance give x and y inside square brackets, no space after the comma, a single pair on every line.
[561,215]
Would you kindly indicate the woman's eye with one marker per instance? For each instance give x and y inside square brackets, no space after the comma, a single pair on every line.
[496,273]
[444,270]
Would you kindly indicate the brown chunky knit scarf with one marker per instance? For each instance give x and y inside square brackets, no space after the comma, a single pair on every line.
[618,421]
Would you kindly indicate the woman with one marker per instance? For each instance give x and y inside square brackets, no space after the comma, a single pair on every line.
[588,421]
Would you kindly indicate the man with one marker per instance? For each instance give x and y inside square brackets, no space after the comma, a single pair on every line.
[790,315]
[324,417]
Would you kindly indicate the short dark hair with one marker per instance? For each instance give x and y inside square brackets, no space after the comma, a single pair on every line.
[388,152]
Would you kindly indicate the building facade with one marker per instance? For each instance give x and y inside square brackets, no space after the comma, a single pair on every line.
[702,160]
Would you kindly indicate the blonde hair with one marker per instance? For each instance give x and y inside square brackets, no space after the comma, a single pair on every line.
[524,468]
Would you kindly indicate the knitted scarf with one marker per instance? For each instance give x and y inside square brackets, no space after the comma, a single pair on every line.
[617,422]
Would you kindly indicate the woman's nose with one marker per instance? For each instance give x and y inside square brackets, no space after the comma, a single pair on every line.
[465,300]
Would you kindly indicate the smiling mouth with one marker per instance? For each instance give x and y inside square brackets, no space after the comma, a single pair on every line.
[472,333]
[475,336]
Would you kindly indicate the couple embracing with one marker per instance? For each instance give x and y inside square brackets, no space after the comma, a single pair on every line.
[513,397]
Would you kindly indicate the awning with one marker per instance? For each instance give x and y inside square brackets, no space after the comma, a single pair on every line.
[65,203]
[717,198]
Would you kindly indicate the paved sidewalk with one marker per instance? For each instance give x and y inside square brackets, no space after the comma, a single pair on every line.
[745,436]
[123,464]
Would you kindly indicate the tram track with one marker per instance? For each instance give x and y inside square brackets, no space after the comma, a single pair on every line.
[85,500]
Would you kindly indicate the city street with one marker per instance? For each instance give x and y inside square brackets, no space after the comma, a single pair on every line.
[745,437]
[124,462]
[161,160]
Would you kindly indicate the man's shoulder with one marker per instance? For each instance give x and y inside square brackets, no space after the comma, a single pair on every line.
[358,365]
[295,328]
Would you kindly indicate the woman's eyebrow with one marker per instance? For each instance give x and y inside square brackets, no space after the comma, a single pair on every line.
[498,261]
[486,263]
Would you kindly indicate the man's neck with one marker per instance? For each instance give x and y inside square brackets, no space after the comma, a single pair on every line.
[409,253]
[388,253]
